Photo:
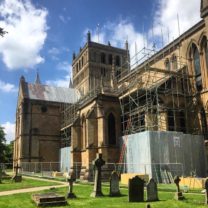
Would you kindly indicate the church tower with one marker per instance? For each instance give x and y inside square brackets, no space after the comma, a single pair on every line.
[204,8]
[98,66]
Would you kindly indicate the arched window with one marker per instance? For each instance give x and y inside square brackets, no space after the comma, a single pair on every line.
[102,58]
[118,61]
[167,65]
[197,67]
[205,51]
[174,62]
[111,129]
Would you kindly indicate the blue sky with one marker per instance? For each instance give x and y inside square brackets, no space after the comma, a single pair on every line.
[42,35]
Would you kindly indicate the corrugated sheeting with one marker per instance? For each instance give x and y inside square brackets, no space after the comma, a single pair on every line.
[50,93]
[177,152]
[65,159]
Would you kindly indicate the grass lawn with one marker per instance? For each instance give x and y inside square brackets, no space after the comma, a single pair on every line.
[84,200]
[7,184]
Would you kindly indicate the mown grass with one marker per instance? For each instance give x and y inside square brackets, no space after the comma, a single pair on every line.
[7,184]
[84,200]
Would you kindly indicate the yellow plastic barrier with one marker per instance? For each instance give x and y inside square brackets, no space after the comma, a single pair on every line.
[192,182]
[126,176]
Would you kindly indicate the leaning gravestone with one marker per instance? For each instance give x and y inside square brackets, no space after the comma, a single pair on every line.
[114,184]
[152,194]
[98,163]
[206,191]
[136,189]
[178,194]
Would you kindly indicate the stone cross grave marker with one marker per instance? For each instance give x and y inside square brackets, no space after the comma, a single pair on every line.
[178,194]
[114,184]
[98,163]
[136,189]
[16,177]
[71,180]
[152,194]
[206,191]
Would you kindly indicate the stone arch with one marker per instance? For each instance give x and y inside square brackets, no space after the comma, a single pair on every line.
[111,120]
[193,53]
[111,117]
[204,51]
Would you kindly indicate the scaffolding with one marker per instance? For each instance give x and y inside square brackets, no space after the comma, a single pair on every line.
[153,98]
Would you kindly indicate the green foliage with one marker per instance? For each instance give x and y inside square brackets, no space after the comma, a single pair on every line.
[2,145]
[6,150]
[2,32]
[9,152]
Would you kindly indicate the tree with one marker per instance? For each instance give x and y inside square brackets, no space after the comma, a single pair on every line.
[2,144]
[2,32]
[9,152]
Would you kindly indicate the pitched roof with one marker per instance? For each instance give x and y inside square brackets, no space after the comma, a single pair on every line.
[50,93]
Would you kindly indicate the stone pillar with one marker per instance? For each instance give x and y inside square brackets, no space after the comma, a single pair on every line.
[162,121]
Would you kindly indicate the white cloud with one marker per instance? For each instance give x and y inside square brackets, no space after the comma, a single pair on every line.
[54,51]
[64,19]
[27,31]
[166,17]
[9,129]
[117,33]
[65,66]
[64,82]
[7,87]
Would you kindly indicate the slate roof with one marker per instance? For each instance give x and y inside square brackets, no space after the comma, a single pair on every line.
[50,93]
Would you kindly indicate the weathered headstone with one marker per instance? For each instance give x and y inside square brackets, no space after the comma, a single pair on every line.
[98,163]
[206,191]
[17,177]
[136,189]
[152,194]
[178,194]
[71,180]
[49,199]
[114,184]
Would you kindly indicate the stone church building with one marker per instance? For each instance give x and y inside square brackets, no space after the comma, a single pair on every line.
[164,96]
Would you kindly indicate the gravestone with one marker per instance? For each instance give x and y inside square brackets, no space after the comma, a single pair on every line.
[49,199]
[17,178]
[98,163]
[152,194]
[136,189]
[114,184]
[206,191]
[71,180]
[178,194]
